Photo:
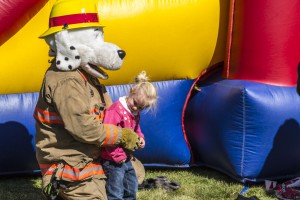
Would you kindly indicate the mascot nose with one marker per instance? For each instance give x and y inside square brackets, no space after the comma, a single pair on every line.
[122,54]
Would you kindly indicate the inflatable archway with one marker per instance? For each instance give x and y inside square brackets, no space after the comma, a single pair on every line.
[227,87]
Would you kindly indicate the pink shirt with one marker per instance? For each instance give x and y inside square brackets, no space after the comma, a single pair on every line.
[119,115]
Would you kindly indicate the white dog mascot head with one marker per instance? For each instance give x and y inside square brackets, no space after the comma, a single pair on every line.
[76,39]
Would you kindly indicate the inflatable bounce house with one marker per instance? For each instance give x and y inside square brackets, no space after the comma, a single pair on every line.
[225,70]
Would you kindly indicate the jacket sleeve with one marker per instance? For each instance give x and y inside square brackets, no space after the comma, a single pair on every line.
[72,101]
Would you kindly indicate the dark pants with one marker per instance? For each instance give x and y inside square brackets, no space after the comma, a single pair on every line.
[121,181]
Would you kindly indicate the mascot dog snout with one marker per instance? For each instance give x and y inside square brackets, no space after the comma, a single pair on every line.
[85,48]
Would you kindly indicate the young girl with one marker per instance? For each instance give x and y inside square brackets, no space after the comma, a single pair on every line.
[122,182]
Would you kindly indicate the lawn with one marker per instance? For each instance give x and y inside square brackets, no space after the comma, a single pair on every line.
[196,184]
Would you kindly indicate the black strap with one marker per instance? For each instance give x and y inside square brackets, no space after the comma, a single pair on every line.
[100,87]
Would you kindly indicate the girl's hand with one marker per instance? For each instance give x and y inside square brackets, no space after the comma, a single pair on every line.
[142,143]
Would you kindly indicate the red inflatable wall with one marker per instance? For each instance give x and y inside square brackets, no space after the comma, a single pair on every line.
[23,11]
[263,41]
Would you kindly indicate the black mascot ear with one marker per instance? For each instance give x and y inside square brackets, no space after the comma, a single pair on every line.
[298,81]
[67,56]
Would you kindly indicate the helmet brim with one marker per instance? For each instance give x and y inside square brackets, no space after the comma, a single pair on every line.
[56,29]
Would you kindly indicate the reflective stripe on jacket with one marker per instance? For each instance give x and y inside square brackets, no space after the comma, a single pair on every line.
[49,117]
[73,174]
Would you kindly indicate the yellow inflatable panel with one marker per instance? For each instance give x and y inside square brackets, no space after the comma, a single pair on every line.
[24,57]
[169,39]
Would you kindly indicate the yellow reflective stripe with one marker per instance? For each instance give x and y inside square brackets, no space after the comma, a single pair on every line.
[71,173]
[111,134]
[115,135]
[76,174]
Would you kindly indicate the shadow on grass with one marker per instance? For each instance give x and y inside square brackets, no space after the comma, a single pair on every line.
[25,187]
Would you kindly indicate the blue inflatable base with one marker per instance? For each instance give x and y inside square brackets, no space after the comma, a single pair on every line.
[248,130]
[165,143]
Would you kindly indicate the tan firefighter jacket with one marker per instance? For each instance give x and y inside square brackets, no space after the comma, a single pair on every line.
[69,125]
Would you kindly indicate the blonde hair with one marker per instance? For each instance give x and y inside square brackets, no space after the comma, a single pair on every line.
[142,86]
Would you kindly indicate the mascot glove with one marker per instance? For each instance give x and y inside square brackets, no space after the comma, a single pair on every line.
[129,140]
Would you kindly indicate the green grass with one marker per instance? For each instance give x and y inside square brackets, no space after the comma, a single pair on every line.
[196,184]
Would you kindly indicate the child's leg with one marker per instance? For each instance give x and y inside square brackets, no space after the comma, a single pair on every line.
[130,182]
[114,183]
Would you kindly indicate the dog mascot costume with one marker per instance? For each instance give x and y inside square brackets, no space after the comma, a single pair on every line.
[70,107]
